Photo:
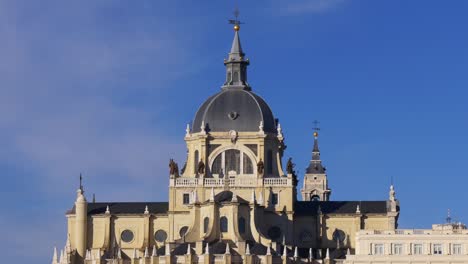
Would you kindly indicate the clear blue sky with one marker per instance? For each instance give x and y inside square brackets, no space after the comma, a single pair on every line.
[106,88]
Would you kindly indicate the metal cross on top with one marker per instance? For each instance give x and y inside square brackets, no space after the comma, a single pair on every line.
[316,127]
[235,21]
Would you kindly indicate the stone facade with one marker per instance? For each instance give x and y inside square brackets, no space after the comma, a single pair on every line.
[444,244]
[234,201]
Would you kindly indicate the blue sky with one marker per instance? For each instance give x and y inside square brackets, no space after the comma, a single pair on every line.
[106,88]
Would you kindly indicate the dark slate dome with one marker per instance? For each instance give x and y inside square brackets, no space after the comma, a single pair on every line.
[234,109]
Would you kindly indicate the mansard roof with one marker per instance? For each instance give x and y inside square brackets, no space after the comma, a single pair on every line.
[339,207]
[126,208]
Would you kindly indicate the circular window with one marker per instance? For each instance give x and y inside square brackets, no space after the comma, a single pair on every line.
[160,236]
[183,231]
[274,232]
[127,236]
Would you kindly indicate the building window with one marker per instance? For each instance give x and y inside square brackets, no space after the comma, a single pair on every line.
[274,198]
[160,235]
[241,225]
[457,249]
[437,249]
[397,249]
[232,160]
[270,162]
[223,224]
[127,236]
[195,162]
[274,233]
[378,249]
[235,77]
[183,231]
[206,222]
[186,198]
[247,166]
[418,249]
[216,168]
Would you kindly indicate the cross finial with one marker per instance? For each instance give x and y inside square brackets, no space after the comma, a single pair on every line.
[316,125]
[81,182]
[316,128]
[236,21]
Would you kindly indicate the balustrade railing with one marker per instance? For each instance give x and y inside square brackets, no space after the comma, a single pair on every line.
[276,181]
[186,182]
[233,182]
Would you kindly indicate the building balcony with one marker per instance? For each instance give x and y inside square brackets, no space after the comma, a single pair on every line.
[232,182]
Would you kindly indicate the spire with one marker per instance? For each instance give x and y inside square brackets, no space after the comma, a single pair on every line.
[228,251]
[315,165]
[236,48]
[189,252]
[268,250]
[247,249]
[54,258]
[285,251]
[155,252]
[296,253]
[311,255]
[146,253]
[207,249]
[236,64]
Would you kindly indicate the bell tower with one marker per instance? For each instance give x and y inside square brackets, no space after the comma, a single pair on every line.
[315,186]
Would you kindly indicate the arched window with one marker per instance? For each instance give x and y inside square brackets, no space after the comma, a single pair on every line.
[228,77]
[235,77]
[223,224]
[315,198]
[195,162]
[232,160]
[247,166]
[270,162]
[241,225]
[217,167]
[206,222]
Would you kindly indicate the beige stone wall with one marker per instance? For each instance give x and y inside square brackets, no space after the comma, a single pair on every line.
[367,242]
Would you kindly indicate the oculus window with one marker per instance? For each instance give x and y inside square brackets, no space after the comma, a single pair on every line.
[274,233]
[160,236]
[183,231]
[127,236]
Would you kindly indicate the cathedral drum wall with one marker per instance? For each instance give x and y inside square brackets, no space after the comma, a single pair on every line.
[377,222]
[305,231]
[340,231]
[98,232]
[159,225]
[136,224]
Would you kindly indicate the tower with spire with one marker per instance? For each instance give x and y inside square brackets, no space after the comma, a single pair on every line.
[315,186]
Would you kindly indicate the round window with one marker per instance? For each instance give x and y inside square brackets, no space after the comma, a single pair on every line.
[127,236]
[160,235]
[183,231]
[274,232]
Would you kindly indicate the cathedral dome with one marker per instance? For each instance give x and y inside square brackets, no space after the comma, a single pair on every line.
[234,109]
